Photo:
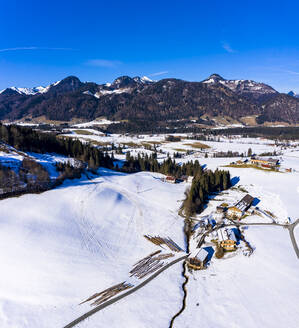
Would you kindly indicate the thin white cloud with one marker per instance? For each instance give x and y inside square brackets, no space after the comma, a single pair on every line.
[159,73]
[290,72]
[103,63]
[226,46]
[34,48]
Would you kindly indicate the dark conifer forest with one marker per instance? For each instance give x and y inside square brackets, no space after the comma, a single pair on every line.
[27,139]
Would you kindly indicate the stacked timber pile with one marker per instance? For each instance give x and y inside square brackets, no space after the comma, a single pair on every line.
[157,240]
[107,293]
[149,264]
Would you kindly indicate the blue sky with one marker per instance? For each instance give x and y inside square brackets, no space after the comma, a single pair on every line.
[45,41]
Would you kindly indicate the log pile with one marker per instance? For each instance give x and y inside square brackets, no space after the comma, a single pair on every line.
[107,293]
[157,240]
[149,264]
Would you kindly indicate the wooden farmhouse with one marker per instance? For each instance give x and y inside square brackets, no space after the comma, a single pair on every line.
[170,179]
[238,210]
[199,261]
[245,202]
[227,239]
[264,162]
[235,212]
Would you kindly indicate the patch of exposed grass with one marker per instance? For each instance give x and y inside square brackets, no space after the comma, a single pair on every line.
[180,149]
[83,132]
[99,143]
[198,145]
[224,205]
[146,144]
[131,144]
[154,142]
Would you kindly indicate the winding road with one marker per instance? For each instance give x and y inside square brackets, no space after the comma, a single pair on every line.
[290,227]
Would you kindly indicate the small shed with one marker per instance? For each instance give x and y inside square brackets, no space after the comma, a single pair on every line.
[221,208]
[199,261]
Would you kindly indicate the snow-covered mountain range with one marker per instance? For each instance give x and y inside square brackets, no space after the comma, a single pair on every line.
[119,84]
[28,91]
[153,102]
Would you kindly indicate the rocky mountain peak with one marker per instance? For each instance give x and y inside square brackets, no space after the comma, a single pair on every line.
[216,77]
[129,82]
[123,82]
[69,84]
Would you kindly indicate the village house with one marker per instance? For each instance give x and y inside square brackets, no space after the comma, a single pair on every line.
[264,162]
[238,210]
[199,261]
[227,239]
[170,179]
[245,203]
[234,211]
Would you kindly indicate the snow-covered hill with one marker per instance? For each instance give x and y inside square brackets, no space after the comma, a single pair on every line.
[83,237]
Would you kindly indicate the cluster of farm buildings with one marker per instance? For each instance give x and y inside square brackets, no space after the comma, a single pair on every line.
[265,163]
[226,238]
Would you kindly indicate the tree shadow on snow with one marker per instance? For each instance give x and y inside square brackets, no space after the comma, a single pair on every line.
[88,178]
[210,251]
[255,201]
[234,181]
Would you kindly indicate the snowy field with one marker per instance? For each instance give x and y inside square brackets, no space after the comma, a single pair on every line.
[257,291]
[64,245]
[224,144]
[61,246]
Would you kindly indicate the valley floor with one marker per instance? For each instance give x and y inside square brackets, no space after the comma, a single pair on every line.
[61,246]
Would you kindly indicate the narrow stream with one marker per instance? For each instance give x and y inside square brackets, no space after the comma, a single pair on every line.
[187,228]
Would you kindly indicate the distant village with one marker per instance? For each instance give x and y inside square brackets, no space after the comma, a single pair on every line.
[253,162]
